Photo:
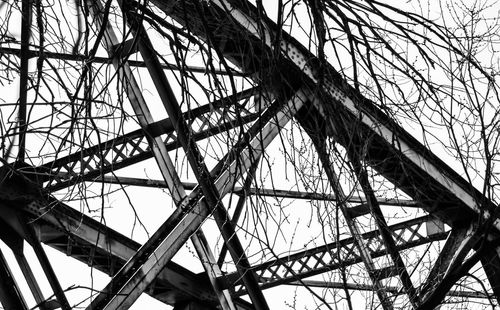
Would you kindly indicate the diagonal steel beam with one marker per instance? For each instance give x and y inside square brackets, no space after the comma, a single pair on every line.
[88,164]
[85,239]
[96,245]
[31,280]
[354,148]
[10,294]
[352,223]
[46,266]
[460,242]
[332,256]
[13,239]
[384,230]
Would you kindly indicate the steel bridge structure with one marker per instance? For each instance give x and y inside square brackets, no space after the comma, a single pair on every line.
[285,83]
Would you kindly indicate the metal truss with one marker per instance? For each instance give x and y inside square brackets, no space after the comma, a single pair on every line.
[328,110]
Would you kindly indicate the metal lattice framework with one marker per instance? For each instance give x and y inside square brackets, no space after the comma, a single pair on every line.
[133,104]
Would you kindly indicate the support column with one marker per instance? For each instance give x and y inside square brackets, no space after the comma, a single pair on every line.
[10,295]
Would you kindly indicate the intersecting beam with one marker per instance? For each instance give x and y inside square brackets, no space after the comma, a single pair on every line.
[239,207]
[14,240]
[184,133]
[187,219]
[319,141]
[91,242]
[211,194]
[332,256]
[85,239]
[31,280]
[47,267]
[449,257]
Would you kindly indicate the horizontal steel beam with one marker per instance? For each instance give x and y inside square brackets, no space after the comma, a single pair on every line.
[106,60]
[391,289]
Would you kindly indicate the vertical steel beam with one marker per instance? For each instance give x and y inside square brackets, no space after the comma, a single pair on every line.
[23,79]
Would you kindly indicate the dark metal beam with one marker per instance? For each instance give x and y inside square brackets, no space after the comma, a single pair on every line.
[239,207]
[451,264]
[89,164]
[187,219]
[332,256]
[106,60]
[263,192]
[46,266]
[23,77]
[490,261]
[10,295]
[447,258]
[391,289]
[350,213]
[31,280]
[385,231]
